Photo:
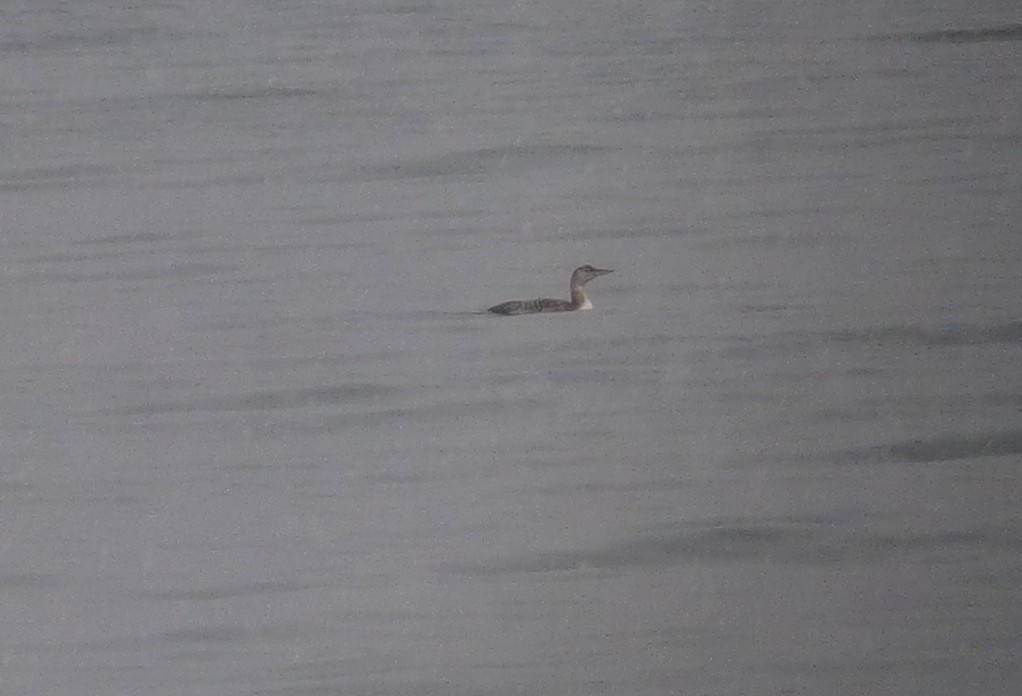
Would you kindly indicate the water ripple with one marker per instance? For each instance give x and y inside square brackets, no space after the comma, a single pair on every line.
[951,447]
[1007,32]
[285,398]
[760,542]
[949,335]
[226,591]
[942,448]
[476,161]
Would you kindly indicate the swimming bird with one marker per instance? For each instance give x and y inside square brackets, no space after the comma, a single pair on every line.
[579,299]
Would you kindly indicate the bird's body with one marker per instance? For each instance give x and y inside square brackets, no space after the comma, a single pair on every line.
[579,299]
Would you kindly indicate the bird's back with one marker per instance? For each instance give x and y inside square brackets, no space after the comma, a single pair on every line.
[544,304]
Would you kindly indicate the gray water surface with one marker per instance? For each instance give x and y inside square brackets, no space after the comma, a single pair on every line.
[258,438]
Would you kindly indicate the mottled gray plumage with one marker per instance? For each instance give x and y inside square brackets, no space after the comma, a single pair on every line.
[579,299]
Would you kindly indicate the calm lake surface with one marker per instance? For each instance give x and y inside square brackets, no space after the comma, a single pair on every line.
[258,438]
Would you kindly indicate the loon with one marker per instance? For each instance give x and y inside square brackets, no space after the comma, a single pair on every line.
[579,299]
